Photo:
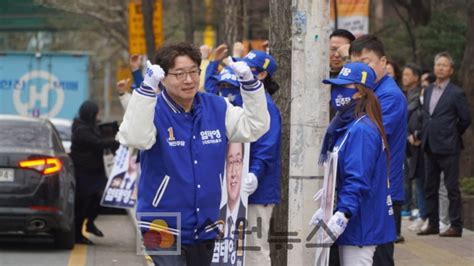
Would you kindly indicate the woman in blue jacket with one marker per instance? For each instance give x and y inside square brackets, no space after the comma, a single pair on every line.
[363,215]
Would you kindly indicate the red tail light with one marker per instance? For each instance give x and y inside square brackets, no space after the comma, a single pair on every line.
[44,208]
[45,166]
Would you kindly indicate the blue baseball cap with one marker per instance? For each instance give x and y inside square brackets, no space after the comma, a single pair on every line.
[227,75]
[355,72]
[262,61]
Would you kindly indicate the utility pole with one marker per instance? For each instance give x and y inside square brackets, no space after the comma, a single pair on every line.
[309,120]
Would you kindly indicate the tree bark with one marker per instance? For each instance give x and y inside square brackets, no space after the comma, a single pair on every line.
[378,14]
[466,75]
[147,10]
[233,22]
[418,11]
[280,49]
[188,20]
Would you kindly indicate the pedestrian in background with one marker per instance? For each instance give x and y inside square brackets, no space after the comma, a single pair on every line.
[393,70]
[87,149]
[446,117]
[337,39]
[415,163]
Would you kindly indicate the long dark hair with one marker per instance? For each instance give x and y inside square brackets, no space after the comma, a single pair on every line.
[270,85]
[369,104]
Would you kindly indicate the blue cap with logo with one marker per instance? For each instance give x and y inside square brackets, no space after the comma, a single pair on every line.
[355,72]
[227,75]
[262,61]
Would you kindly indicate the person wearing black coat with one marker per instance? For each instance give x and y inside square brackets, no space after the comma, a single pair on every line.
[446,117]
[87,147]
[415,170]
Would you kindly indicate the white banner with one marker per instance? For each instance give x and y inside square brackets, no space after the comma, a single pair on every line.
[327,206]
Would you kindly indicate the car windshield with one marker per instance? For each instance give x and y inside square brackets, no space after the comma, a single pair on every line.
[64,132]
[24,134]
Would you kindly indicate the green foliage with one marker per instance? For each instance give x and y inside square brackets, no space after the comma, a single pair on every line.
[445,32]
[467,185]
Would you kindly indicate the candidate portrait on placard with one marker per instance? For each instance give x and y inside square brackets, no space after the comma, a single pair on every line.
[120,191]
[229,249]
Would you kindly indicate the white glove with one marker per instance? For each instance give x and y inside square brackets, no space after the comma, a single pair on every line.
[317,216]
[337,224]
[153,75]
[250,183]
[242,70]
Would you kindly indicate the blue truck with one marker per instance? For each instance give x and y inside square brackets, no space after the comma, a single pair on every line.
[43,85]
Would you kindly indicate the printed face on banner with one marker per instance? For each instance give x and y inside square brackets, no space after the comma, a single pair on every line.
[234,163]
[229,248]
[121,189]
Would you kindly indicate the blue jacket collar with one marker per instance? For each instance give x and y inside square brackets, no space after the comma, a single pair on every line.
[381,81]
[173,105]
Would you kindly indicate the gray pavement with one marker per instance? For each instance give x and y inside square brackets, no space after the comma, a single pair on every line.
[118,247]
[434,250]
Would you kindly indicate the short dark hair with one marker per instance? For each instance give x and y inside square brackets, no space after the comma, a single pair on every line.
[414,68]
[342,33]
[425,70]
[370,43]
[166,55]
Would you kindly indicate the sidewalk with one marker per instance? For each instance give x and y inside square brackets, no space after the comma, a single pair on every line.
[434,250]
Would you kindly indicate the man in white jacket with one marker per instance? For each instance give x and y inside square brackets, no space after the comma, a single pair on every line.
[183,135]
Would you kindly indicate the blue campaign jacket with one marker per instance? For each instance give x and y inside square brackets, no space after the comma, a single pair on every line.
[194,187]
[210,82]
[265,160]
[137,79]
[362,186]
[394,116]
[265,153]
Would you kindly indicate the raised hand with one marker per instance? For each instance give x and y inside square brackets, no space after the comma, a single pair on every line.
[122,86]
[220,52]
[242,70]
[135,62]
[153,75]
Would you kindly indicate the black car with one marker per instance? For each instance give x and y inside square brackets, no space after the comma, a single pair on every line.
[37,182]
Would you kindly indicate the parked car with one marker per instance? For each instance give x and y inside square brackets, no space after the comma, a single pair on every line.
[64,128]
[37,182]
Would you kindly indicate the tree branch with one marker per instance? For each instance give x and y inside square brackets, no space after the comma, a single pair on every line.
[410,33]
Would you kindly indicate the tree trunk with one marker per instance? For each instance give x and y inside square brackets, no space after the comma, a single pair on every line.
[147,10]
[188,20]
[411,35]
[280,48]
[378,14]
[467,78]
[233,22]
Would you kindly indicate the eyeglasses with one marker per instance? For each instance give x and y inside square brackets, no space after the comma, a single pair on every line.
[180,76]
[234,163]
